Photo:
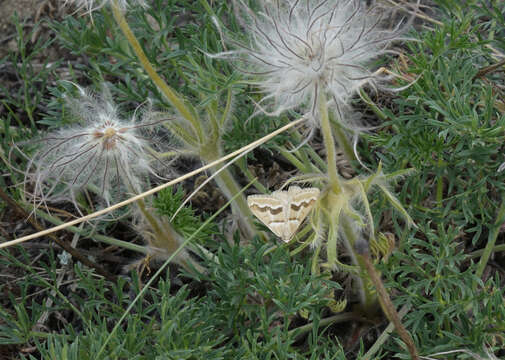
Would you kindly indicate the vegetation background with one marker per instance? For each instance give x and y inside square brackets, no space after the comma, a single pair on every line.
[259,301]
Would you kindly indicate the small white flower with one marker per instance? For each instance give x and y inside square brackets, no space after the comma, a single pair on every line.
[302,48]
[104,153]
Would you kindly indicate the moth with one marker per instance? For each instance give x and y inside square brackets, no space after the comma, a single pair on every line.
[283,211]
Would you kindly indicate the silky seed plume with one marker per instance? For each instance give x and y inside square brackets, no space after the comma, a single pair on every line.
[102,152]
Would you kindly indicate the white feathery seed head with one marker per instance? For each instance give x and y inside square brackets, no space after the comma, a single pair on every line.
[110,156]
[91,5]
[300,48]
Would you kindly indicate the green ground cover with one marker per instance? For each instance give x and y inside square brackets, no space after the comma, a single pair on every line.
[421,197]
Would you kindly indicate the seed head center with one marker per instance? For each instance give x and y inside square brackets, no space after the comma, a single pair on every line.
[109,132]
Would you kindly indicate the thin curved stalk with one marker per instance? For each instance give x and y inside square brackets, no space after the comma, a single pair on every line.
[298,332]
[478,253]
[367,297]
[96,237]
[172,96]
[329,143]
[364,96]
[493,235]
[377,346]
[227,184]
[344,143]
[388,306]
[290,156]
[242,164]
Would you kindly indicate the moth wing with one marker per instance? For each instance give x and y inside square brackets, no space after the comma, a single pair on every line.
[302,203]
[270,210]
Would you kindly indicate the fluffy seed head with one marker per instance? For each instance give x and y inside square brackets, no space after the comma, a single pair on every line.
[104,153]
[92,5]
[301,48]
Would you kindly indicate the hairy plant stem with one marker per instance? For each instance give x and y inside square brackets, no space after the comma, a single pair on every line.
[343,142]
[302,166]
[367,297]
[166,238]
[230,188]
[172,96]
[386,303]
[493,235]
[224,178]
[329,144]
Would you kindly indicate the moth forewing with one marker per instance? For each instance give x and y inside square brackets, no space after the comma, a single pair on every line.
[284,211]
[268,210]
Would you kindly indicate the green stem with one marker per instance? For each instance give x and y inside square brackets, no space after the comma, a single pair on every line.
[314,268]
[242,164]
[317,159]
[367,297]
[306,161]
[440,183]
[230,188]
[165,238]
[224,178]
[329,143]
[172,96]
[343,141]
[378,345]
[298,332]
[290,156]
[493,235]
[372,105]
[387,305]
[96,237]
[478,253]
[227,184]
